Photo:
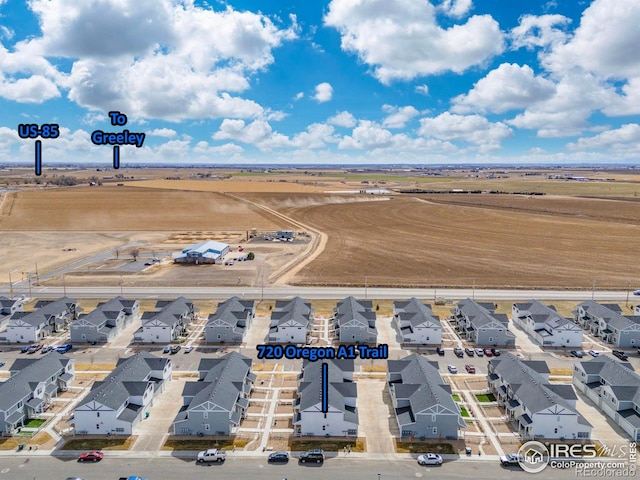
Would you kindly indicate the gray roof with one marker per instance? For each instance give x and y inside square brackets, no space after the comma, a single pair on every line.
[421,383]
[624,381]
[233,311]
[481,314]
[22,383]
[222,382]
[531,388]
[130,377]
[360,311]
[170,311]
[414,313]
[108,311]
[295,310]
[546,314]
[339,388]
[45,310]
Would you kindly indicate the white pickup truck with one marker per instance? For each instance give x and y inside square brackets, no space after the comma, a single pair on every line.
[212,455]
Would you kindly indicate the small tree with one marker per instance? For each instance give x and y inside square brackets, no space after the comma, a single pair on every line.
[250,256]
[117,253]
[135,253]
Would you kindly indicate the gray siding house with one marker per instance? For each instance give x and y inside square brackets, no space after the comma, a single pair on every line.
[290,321]
[341,417]
[216,403]
[28,392]
[416,323]
[49,316]
[9,306]
[167,323]
[545,325]
[355,321]
[478,323]
[615,389]
[607,322]
[230,322]
[118,403]
[422,400]
[536,408]
[105,322]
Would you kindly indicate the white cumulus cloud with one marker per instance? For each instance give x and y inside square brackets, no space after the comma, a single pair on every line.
[324,92]
[473,129]
[343,119]
[162,132]
[397,117]
[628,135]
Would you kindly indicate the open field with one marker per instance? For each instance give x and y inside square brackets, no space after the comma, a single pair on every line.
[412,242]
[241,185]
[108,209]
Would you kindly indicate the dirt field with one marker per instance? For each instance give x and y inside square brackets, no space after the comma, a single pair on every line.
[411,242]
[111,208]
[240,185]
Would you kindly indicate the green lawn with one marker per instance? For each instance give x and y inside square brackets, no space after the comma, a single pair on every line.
[463,411]
[456,397]
[35,423]
[483,398]
[326,444]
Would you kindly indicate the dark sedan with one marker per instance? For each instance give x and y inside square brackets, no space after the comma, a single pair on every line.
[279,457]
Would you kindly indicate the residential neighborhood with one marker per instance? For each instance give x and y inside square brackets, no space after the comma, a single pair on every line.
[545,325]
[105,322]
[479,324]
[230,322]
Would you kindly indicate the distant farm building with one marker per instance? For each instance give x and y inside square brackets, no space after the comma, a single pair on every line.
[285,234]
[204,252]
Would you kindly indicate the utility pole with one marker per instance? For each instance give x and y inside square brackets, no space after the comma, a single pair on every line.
[29,277]
[121,294]
[628,289]
[593,290]
[365,286]
[37,277]
[64,285]
[473,294]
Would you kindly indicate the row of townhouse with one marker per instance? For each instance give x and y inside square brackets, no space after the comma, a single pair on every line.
[545,325]
[607,322]
[118,403]
[9,306]
[230,322]
[536,408]
[340,418]
[33,383]
[49,316]
[422,400]
[167,323]
[354,321]
[215,404]
[478,323]
[615,389]
[416,323]
[105,322]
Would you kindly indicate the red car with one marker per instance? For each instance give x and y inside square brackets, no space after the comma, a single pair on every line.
[470,368]
[91,457]
[488,352]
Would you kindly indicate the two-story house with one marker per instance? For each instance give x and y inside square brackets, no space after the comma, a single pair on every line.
[33,383]
[605,320]
[105,322]
[49,316]
[422,400]
[215,404]
[291,321]
[9,306]
[545,325]
[478,323]
[615,389]
[118,403]
[340,417]
[230,322]
[354,321]
[536,408]
[167,323]
[416,323]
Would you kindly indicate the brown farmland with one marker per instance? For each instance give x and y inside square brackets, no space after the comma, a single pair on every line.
[407,241]
[107,209]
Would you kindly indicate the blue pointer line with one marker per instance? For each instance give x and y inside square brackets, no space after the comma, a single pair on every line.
[116,157]
[325,387]
[38,157]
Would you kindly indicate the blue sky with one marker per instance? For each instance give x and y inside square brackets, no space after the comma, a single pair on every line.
[340,81]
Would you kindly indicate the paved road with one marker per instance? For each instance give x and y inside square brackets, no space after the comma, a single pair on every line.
[40,468]
[324,293]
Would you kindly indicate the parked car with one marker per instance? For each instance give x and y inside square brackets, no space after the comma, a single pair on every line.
[459,352]
[2,364]
[620,354]
[175,349]
[510,459]
[576,353]
[452,369]
[64,348]
[46,349]
[593,353]
[34,348]
[25,349]
[166,349]
[430,459]
[316,456]
[469,351]
[279,457]
[470,368]
[637,292]
[90,457]
[188,348]
[495,352]
[211,455]
[487,352]
[479,352]
[440,351]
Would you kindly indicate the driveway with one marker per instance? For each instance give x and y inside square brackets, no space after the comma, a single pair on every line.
[375,417]
[604,430]
[257,333]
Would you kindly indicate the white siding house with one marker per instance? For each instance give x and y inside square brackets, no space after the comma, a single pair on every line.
[416,323]
[545,325]
[167,323]
[49,316]
[290,321]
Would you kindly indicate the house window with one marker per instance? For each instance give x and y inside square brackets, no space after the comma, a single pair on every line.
[119,430]
[434,430]
[98,414]
[219,336]
[205,415]
[97,426]
[433,418]
[324,427]
[325,415]
[555,430]
[206,426]
[490,339]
